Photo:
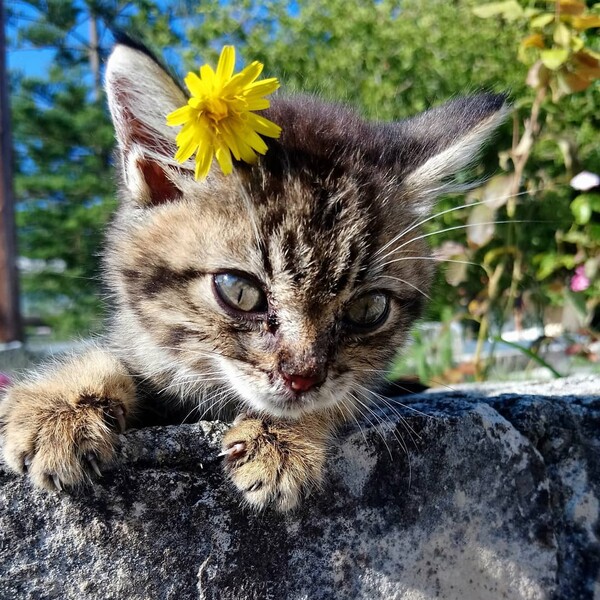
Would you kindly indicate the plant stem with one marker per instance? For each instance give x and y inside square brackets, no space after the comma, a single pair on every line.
[532,355]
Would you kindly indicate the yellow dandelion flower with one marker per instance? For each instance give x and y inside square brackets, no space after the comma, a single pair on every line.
[218,120]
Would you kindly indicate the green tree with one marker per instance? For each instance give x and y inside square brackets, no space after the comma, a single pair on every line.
[391,58]
[64,178]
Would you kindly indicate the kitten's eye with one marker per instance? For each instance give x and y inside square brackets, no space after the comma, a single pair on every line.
[368,310]
[240,293]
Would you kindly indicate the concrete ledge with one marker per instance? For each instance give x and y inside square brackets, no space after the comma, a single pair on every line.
[494,494]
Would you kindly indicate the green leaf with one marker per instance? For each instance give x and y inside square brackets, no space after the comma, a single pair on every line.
[562,35]
[510,10]
[594,232]
[552,262]
[576,236]
[540,21]
[481,225]
[548,264]
[554,59]
[594,200]
[581,208]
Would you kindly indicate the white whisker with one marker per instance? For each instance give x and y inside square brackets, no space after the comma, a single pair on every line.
[445,230]
[378,421]
[394,433]
[407,283]
[351,411]
[220,401]
[406,406]
[395,411]
[435,258]
[417,224]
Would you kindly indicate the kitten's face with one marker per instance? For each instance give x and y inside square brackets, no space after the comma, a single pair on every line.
[292,282]
[282,289]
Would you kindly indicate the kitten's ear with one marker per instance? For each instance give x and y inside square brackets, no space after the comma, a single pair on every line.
[140,95]
[436,144]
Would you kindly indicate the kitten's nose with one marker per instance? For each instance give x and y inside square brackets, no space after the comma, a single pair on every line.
[302,383]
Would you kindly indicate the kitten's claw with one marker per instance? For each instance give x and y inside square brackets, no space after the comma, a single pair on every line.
[26,463]
[94,464]
[241,417]
[273,463]
[255,486]
[63,430]
[234,451]
[57,483]
[120,417]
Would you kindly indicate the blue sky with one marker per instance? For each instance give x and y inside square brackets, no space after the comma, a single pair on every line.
[36,61]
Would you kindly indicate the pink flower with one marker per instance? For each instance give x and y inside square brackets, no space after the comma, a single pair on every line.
[4,380]
[580,281]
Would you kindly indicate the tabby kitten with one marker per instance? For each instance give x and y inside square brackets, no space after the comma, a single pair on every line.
[284,289]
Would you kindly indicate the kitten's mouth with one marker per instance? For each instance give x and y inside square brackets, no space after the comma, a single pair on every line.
[268,392]
[291,408]
[294,402]
[281,401]
[300,384]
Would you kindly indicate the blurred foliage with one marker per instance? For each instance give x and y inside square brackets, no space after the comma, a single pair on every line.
[528,234]
[433,353]
[526,230]
[63,139]
[390,58]
[65,195]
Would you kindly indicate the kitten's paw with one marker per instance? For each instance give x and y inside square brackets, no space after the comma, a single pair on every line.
[273,462]
[59,438]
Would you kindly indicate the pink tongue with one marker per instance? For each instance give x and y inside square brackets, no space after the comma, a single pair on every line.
[299,383]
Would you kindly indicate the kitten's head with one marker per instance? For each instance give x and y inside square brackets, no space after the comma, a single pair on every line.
[294,281]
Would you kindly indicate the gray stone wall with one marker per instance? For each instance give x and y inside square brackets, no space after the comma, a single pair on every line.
[479,493]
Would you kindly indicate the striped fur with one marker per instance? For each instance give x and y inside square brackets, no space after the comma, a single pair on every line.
[331,212]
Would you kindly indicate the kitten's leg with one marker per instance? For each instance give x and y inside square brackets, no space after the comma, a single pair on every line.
[275,461]
[62,426]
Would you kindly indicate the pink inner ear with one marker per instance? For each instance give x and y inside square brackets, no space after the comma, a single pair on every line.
[162,189]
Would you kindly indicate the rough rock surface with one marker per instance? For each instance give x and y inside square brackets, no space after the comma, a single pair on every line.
[474,494]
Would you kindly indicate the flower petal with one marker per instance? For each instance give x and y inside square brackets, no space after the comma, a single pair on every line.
[180,116]
[264,87]
[263,126]
[246,76]
[258,104]
[224,159]
[196,86]
[243,149]
[230,140]
[226,63]
[204,160]
[197,102]
[255,141]
[248,155]
[188,131]
[208,77]
[186,150]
